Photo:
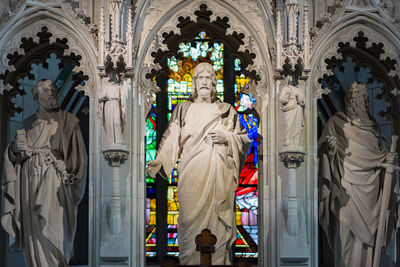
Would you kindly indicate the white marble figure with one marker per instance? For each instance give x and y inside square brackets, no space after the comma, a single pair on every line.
[350,151]
[212,145]
[44,182]
[292,103]
[113,112]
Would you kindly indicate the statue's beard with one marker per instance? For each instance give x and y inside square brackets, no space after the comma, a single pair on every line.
[50,104]
[357,110]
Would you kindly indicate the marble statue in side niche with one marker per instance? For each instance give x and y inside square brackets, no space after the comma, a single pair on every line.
[207,137]
[113,112]
[350,152]
[292,103]
[44,181]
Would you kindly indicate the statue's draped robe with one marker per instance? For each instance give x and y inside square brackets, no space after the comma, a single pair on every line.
[292,114]
[39,209]
[113,114]
[208,174]
[350,190]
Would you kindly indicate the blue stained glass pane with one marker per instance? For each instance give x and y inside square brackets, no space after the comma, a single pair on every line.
[250,123]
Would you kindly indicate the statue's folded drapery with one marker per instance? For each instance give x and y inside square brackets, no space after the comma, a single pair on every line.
[350,189]
[39,208]
[208,174]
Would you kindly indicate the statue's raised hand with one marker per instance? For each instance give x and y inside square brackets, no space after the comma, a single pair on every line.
[153,168]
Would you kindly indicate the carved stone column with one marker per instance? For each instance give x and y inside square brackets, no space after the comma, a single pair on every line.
[292,67]
[115,158]
[293,243]
[292,160]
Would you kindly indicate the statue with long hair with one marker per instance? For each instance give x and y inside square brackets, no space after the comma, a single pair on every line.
[207,137]
[350,154]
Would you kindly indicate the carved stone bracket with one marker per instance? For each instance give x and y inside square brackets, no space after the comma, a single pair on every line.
[116,157]
[292,159]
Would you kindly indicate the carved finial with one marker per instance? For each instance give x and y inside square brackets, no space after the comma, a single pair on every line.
[291,10]
[129,39]
[101,38]
[278,41]
[116,10]
[306,40]
[117,59]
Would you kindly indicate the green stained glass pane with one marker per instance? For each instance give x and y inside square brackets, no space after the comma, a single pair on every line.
[172,64]
[150,139]
[150,180]
[237,64]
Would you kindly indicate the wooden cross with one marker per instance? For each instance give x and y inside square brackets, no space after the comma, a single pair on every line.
[205,243]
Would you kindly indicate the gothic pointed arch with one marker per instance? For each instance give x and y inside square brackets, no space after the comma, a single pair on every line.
[255,19]
[354,48]
[59,20]
[216,32]
[38,41]
[344,29]
[166,44]
[37,53]
[363,62]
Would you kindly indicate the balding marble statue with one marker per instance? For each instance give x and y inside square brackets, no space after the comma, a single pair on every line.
[350,153]
[44,182]
[207,137]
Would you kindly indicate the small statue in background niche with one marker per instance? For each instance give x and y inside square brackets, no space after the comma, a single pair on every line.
[112,106]
[292,103]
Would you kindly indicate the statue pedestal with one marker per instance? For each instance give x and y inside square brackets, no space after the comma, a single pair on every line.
[115,157]
[293,240]
[294,250]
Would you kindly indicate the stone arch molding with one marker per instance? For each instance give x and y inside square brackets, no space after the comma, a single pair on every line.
[345,31]
[59,20]
[258,37]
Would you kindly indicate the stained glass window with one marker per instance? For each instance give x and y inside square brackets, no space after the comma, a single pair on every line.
[179,88]
[150,186]
[247,192]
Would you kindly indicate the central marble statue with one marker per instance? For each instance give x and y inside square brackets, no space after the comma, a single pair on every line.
[207,137]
